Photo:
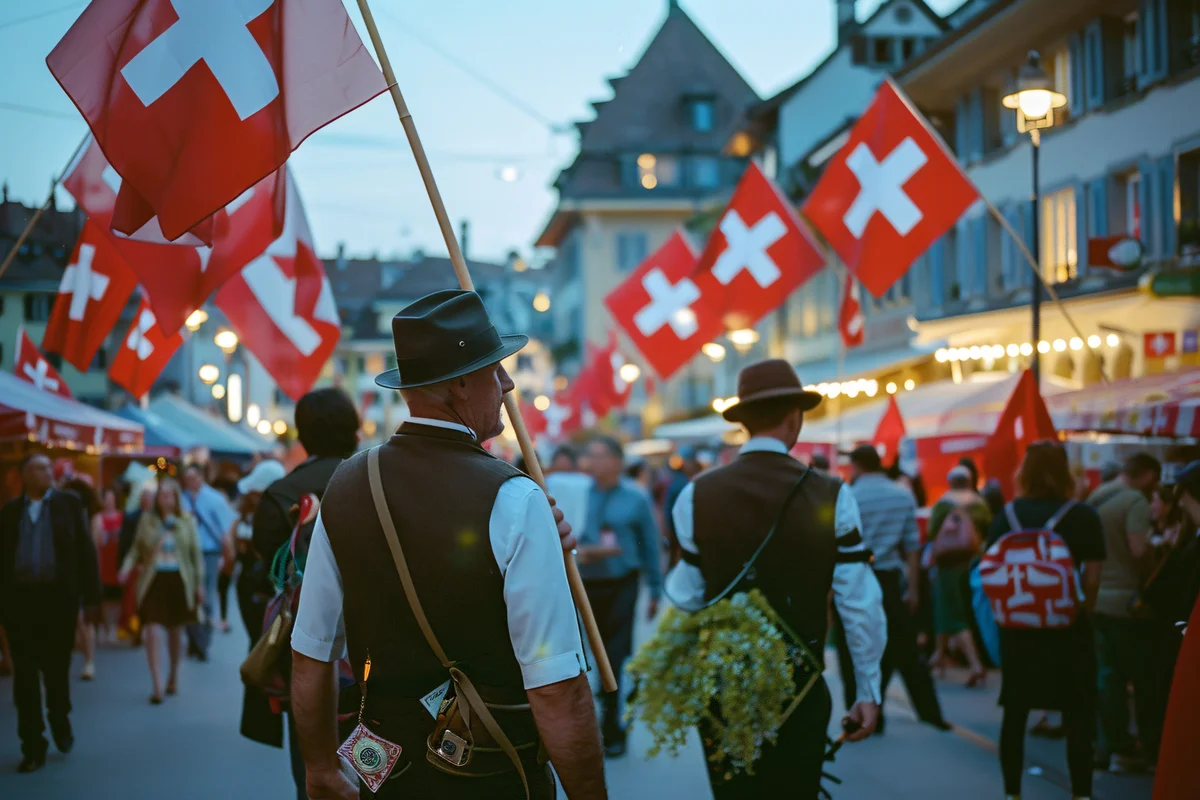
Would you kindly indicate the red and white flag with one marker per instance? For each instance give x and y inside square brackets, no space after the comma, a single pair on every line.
[600,381]
[195,101]
[1025,420]
[144,352]
[94,288]
[889,193]
[660,308]
[282,306]
[32,366]
[889,431]
[1159,344]
[758,254]
[851,324]
[177,277]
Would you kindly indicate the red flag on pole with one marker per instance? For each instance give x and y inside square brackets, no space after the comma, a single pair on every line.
[195,101]
[1176,776]
[850,318]
[890,431]
[32,366]
[144,353]
[1025,420]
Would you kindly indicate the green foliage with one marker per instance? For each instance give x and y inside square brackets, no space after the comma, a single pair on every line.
[729,665]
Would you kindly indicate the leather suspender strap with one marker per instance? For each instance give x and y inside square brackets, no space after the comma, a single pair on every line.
[474,703]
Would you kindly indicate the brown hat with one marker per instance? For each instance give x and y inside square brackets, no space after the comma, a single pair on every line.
[773,379]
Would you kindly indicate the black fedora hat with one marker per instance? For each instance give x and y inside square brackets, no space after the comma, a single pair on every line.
[769,380]
[445,335]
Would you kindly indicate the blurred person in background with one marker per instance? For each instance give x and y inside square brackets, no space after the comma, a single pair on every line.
[1052,669]
[563,460]
[107,536]
[993,495]
[85,629]
[1125,644]
[1110,471]
[129,528]
[171,585]
[212,515]
[820,461]
[685,465]
[239,556]
[968,463]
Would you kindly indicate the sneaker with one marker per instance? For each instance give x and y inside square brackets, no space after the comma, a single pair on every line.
[615,749]
[89,672]
[1126,764]
[64,739]
[31,763]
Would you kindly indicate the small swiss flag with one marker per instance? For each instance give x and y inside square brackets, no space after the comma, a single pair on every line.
[144,352]
[32,366]
[758,254]
[661,310]
[889,193]
[1025,420]
[850,318]
[890,431]
[1159,344]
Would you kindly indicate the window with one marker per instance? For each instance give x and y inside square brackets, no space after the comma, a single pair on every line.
[632,250]
[706,172]
[37,307]
[1129,192]
[55,360]
[882,51]
[1059,254]
[703,115]
[1130,54]
[908,48]
[858,50]
[904,15]
[654,171]
[1058,64]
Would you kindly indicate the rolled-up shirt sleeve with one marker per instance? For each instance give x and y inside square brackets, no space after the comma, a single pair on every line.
[319,631]
[541,615]
[859,601]
[685,582]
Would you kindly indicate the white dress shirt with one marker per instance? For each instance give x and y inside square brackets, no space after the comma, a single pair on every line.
[524,538]
[856,592]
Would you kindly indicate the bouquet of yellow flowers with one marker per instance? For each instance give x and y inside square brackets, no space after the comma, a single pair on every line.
[730,665]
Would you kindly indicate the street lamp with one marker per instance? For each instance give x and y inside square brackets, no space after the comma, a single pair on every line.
[629,372]
[227,340]
[196,319]
[209,373]
[1035,101]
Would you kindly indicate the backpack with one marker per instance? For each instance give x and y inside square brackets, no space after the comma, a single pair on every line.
[1029,577]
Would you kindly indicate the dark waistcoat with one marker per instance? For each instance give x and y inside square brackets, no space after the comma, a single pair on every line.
[440,487]
[734,509]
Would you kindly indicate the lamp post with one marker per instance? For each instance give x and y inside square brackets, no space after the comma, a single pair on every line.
[227,340]
[1035,101]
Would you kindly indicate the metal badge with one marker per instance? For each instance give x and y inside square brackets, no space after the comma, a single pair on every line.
[453,749]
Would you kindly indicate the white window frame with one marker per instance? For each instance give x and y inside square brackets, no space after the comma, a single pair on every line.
[1060,249]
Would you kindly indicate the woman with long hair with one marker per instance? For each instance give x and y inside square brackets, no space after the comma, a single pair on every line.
[1052,669]
[86,632]
[171,584]
[107,535]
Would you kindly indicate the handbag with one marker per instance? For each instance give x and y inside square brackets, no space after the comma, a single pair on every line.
[466,738]
[956,545]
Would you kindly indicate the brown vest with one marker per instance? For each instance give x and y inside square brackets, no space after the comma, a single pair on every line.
[734,509]
[440,487]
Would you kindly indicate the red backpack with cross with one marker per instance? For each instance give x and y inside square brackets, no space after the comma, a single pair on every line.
[1029,576]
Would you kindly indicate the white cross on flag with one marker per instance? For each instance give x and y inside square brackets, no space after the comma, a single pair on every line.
[94,288]
[32,366]
[195,101]
[758,254]
[889,193]
[144,352]
[282,306]
[660,308]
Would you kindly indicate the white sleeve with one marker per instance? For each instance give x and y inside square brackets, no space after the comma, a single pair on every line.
[319,631]
[541,614]
[685,583]
[859,601]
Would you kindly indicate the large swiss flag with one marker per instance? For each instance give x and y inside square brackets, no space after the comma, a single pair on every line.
[282,306]
[889,193]
[195,101]
[757,255]
[661,310]
[32,366]
[94,288]
[144,352]
[1025,420]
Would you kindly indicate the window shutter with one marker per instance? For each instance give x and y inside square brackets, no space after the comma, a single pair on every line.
[962,259]
[1076,101]
[961,128]
[937,273]
[979,253]
[1024,271]
[1097,208]
[975,115]
[1081,229]
[1008,249]
[1152,36]
[1148,202]
[1008,119]
[1166,187]
[1093,59]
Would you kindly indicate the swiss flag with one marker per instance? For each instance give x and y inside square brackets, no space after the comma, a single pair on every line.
[1159,344]
[144,352]
[282,306]
[177,277]
[600,381]
[535,420]
[93,291]
[889,193]
[660,308]
[195,101]
[32,366]
[1025,420]
[850,318]
[757,255]
[890,431]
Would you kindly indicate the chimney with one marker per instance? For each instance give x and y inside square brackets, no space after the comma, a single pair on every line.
[845,21]
[464,230]
[341,255]
[5,192]
[53,194]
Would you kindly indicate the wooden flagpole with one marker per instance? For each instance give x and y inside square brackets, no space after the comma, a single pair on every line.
[464,279]
[12,253]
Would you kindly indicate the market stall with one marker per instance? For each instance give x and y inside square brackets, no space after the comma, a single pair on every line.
[172,421]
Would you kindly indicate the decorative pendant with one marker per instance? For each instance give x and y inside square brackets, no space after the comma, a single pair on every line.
[372,757]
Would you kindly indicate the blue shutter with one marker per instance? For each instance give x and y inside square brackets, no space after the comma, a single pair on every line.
[979,255]
[1008,249]
[1148,201]
[1081,229]
[961,129]
[1093,59]
[1008,119]
[962,259]
[1152,37]
[1076,69]
[977,128]
[1024,270]
[937,273]
[1166,214]
[1097,208]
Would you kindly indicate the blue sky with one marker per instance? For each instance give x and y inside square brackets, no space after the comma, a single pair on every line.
[358,179]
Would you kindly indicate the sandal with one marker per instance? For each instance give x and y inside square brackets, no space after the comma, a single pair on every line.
[977,679]
[156,700]
[171,689]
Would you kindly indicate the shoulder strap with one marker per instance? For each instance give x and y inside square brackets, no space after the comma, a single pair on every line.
[1010,511]
[1065,509]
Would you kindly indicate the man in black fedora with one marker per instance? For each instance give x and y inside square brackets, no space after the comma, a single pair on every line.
[725,515]
[486,601]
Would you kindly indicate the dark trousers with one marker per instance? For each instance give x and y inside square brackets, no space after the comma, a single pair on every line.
[1140,652]
[901,654]
[41,636]
[614,604]
[791,767]
[1080,727]
[423,781]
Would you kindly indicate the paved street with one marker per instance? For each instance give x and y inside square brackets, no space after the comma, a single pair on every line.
[189,748]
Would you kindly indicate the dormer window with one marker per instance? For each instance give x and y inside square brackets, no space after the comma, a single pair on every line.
[703,112]
[655,171]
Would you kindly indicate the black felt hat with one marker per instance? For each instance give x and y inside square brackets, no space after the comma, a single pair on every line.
[445,335]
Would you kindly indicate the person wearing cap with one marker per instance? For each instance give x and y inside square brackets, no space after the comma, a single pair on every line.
[490,593]
[236,547]
[889,529]
[723,516]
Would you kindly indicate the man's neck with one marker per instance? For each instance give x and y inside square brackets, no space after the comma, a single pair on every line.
[36,496]
[606,485]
